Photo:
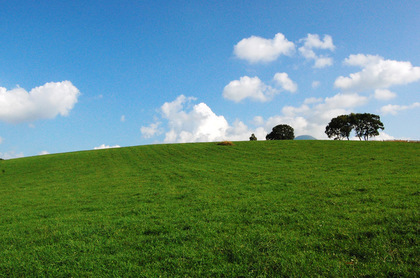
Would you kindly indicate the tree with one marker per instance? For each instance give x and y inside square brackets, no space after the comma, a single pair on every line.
[281,132]
[339,127]
[253,137]
[366,125]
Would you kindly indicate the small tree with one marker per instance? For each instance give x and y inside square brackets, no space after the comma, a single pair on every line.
[281,132]
[339,127]
[366,125]
[253,137]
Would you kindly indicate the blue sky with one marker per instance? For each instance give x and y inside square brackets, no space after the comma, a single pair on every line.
[79,75]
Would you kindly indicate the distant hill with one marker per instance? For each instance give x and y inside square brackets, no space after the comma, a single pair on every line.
[305,137]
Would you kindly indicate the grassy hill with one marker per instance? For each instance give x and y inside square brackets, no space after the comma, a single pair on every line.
[265,208]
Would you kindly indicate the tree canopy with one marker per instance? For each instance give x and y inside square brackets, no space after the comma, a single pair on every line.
[281,132]
[339,127]
[365,125]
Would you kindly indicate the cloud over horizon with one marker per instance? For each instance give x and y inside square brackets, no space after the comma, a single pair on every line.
[196,124]
[184,122]
[103,146]
[44,102]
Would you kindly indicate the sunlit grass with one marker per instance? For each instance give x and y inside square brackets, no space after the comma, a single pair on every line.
[269,208]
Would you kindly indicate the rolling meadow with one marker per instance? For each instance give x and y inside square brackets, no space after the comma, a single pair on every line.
[253,209]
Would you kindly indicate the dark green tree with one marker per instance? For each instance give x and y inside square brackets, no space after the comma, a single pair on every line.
[366,125]
[339,127]
[281,132]
[253,137]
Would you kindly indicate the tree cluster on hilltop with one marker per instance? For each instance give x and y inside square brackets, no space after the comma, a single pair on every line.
[365,125]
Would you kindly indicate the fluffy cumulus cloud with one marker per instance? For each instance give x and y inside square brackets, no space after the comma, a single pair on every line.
[183,121]
[285,82]
[311,42]
[248,87]
[198,124]
[103,146]
[255,89]
[44,102]
[340,102]
[395,109]
[256,49]
[377,73]
[384,94]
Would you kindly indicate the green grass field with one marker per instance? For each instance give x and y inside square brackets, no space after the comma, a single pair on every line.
[255,209]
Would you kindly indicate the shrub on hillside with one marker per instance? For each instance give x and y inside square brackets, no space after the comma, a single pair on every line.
[253,137]
[225,143]
[281,132]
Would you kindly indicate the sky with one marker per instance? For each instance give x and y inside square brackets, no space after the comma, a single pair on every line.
[83,75]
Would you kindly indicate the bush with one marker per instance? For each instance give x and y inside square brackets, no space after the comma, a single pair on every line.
[225,143]
[281,132]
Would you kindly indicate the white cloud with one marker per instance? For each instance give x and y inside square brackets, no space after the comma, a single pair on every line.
[122,119]
[382,137]
[394,109]
[312,41]
[44,102]
[43,153]
[256,49]
[103,146]
[285,82]
[11,155]
[151,130]
[344,101]
[248,87]
[383,94]
[200,124]
[377,73]
[322,62]
[254,89]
